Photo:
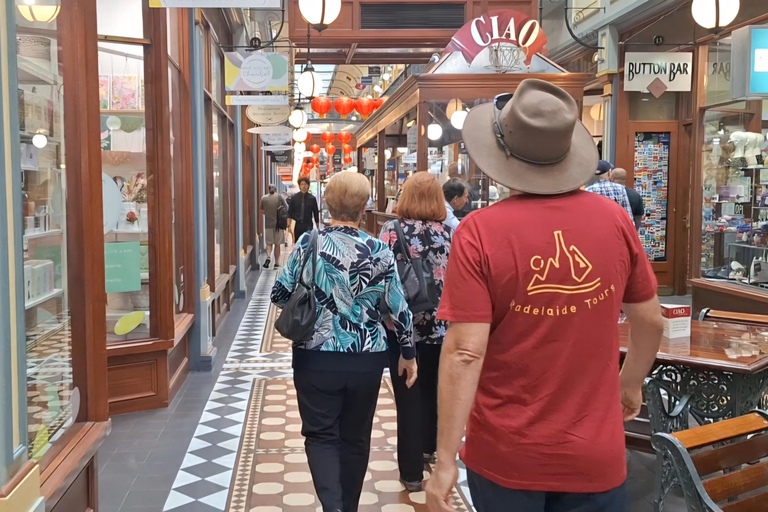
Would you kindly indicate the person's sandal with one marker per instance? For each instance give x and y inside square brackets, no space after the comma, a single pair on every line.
[412,486]
[277,266]
[266,263]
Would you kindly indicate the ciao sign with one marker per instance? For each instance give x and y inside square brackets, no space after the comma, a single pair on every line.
[673,69]
[502,26]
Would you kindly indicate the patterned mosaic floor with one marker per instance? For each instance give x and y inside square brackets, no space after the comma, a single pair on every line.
[247,454]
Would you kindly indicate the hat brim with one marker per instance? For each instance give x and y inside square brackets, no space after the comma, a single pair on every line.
[564,176]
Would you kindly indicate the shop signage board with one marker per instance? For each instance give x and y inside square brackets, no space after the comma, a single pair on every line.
[122,269]
[749,62]
[257,71]
[374,70]
[252,99]
[281,157]
[499,26]
[674,70]
[268,114]
[285,170]
[215,3]
[279,138]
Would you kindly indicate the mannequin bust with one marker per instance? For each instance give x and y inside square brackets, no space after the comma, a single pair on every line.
[739,140]
[754,141]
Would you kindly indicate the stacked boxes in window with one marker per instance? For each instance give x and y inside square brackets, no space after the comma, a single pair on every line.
[39,279]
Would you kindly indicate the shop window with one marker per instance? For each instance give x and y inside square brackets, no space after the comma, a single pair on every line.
[174,33]
[717,81]
[734,245]
[218,144]
[177,188]
[52,397]
[121,18]
[645,107]
[217,72]
[126,191]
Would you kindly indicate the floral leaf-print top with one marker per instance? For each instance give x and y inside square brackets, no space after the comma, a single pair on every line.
[354,272]
[432,241]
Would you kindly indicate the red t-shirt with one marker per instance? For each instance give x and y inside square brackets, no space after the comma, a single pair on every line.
[549,273]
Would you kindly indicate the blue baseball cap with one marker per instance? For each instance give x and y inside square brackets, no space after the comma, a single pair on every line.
[603,166]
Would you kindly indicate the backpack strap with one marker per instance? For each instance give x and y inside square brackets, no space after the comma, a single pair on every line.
[311,250]
[401,240]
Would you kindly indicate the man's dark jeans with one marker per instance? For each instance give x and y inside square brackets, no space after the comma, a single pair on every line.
[488,496]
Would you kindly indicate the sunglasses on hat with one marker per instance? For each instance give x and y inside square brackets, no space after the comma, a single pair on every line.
[499,102]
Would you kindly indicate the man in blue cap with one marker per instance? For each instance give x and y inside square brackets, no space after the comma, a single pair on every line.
[605,187]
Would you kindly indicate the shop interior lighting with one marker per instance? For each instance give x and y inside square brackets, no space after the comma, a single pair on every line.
[457,119]
[33,12]
[300,135]
[596,112]
[386,77]
[114,123]
[298,118]
[714,14]
[387,154]
[377,88]
[310,82]
[402,150]
[410,123]
[300,147]
[434,131]
[320,13]
[39,141]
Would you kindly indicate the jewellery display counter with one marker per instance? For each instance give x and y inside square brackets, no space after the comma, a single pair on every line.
[733,268]
[418,127]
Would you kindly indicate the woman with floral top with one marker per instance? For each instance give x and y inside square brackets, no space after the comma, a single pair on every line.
[421,212]
[338,372]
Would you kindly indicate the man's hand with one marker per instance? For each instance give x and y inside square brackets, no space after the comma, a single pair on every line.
[410,368]
[631,400]
[440,486]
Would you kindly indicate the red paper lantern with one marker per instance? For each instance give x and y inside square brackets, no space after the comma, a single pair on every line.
[378,103]
[364,106]
[344,106]
[330,149]
[314,148]
[309,138]
[322,105]
[346,149]
[344,137]
[308,167]
[315,160]
[347,159]
[327,137]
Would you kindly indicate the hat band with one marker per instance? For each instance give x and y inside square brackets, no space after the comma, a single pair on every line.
[511,152]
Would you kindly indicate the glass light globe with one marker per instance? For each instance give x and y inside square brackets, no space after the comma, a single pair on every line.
[704,12]
[386,77]
[39,13]
[114,123]
[377,88]
[457,119]
[388,153]
[300,147]
[310,83]
[298,118]
[39,141]
[434,131]
[453,105]
[300,135]
[320,14]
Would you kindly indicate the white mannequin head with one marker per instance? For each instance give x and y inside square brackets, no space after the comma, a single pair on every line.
[739,139]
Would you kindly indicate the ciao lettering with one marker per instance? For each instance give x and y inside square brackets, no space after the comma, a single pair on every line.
[670,69]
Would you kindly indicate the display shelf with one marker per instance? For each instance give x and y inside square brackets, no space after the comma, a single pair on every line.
[50,232]
[36,302]
[26,136]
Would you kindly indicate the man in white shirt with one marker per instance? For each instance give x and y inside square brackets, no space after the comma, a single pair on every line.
[456,195]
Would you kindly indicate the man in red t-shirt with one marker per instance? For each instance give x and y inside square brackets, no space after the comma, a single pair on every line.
[533,292]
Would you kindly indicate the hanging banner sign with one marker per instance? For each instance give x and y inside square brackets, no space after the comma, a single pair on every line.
[268,114]
[215,3]
[255,72]
[273,139]
[284,170]
[673,69]
[501,26]
[241,99]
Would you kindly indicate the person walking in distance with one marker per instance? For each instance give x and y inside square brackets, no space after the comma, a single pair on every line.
[619,176]
[273,206]
[456,194]
[530,361]
[302,209]
[606,188]
[421,212]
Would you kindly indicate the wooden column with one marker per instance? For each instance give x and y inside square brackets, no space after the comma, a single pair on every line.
[422,142]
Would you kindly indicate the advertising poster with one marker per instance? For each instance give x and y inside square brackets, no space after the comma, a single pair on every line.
[256,71]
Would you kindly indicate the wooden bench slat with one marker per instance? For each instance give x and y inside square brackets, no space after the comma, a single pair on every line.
[721,431]
[738,482]
[757,503]
[712,461]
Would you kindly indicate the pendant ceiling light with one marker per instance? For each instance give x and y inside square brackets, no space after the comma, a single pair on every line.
[300,135]
[714,14]
[320,13]
[310,83]
[298,118]
[457,119]
[38,13]
[434,131]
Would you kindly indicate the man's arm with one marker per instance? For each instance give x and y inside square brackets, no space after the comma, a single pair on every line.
[645,334]
[460,365]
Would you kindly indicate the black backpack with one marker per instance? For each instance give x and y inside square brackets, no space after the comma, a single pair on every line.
[297,319]
[282,214]
[417,277]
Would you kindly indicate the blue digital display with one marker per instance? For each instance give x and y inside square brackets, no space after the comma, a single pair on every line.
[758,68]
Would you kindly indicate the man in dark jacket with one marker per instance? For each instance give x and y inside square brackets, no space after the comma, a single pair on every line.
[619,176]
[302,208]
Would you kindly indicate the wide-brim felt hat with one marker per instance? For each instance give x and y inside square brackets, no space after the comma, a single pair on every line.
[544,148]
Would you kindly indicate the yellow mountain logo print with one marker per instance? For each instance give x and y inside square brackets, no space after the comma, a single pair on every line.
[566,273]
